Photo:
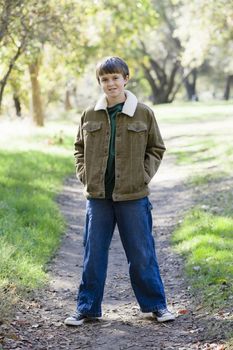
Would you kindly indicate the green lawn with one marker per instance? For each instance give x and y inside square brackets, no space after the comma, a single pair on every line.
[32,171]
[206,241]
[205,236]
[189,112]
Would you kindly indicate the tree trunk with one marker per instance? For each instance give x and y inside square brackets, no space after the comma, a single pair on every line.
[68,105]
[38,112]
[190,85]
[163,86]
[227,91]
[17,104]
[75,96]
[152,84]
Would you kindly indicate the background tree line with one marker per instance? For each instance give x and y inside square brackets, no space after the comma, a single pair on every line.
[45,47]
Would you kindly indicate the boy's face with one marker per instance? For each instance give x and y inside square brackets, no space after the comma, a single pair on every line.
[113,84]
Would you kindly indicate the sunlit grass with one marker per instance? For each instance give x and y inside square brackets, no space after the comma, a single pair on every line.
[55,138]
[211,157]
[206,240]
[205,237]
[199,180]
[30,222]
[195,152]
[180,112]
[32,170]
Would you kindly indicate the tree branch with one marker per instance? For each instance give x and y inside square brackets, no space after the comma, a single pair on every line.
[11,65]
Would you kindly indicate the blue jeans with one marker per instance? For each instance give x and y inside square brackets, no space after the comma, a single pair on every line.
[134,221]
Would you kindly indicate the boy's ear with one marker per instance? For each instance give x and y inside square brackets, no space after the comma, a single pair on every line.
[127,79]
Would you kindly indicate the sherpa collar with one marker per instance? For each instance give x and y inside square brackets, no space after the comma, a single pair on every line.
[129,107]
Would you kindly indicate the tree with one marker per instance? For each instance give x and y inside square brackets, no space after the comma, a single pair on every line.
[143,34]
[36,24]
[121,25]
[38,112]
[10,66]
[10,10]
[229,83]
[161,53]
[20,23]
[205,30]
[190,85]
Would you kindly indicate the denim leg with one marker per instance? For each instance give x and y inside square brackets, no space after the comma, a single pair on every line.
[134,221]
[100,226]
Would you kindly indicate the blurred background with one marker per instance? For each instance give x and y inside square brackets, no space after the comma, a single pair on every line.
[177,50]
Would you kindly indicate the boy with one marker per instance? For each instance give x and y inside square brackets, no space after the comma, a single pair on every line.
[117,152]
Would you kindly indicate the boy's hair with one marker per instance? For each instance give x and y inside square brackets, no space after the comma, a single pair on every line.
[111,65]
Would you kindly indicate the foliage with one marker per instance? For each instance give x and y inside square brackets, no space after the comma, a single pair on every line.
[206,32]
[32,24]
[159,53]
[126,24]
[161,40]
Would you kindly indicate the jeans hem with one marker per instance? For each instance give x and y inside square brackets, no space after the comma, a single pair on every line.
[153,308]
[88,314]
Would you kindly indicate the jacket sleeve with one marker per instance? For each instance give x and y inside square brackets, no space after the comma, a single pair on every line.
[154,150]
[79,152]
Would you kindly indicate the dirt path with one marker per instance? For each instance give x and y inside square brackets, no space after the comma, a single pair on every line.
[39,324]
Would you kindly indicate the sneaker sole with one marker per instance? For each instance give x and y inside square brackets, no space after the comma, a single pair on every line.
[165,319]
[74,323]
[69,322]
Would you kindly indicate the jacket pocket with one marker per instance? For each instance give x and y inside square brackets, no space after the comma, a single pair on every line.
[146,177]
[92,126]
[82,177]
[137,127]
[137,138]
[92,131]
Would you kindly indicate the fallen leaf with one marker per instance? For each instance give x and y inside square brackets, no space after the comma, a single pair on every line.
[183,312]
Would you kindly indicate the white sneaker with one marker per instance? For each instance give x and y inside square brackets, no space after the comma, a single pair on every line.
[163,315]
[78,319]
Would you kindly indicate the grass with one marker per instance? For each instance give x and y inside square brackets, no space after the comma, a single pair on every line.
[195,152]
[205,236]
[31,224]
[186,112]
[208,152]
[206,241]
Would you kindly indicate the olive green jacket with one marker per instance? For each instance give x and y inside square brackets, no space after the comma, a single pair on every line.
[139,149]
